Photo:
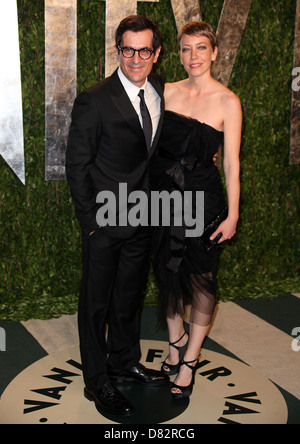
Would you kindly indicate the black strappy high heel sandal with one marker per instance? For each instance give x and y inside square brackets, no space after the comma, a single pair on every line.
[187,390]
[173,369]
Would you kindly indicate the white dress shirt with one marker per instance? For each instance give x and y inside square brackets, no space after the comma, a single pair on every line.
[152,100]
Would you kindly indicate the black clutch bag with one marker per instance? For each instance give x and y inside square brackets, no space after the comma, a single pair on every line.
[211,227]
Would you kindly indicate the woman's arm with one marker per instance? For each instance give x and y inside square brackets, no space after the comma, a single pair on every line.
[232,142]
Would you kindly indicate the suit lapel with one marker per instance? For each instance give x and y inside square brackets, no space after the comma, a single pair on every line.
[159,89]
[124,105]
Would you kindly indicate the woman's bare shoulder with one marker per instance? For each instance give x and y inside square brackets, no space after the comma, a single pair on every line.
[175,87]
[228,97]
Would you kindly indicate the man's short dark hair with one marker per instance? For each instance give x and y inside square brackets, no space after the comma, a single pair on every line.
[137,23]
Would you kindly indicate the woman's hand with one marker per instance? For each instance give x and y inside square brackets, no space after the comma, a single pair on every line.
[227,228]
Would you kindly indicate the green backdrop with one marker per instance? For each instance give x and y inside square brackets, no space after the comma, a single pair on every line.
[40,266]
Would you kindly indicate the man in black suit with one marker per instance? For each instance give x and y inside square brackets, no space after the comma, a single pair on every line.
[110,143]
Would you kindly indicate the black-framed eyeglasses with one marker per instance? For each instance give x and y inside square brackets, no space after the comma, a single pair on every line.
[128,53]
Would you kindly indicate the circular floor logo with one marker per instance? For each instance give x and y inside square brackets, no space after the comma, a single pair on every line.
[226,391]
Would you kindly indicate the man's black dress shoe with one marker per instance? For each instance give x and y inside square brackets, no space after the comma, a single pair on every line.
[139,374]
[110,400]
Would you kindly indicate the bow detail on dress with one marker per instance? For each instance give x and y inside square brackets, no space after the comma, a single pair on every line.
[177,234]
[177,170]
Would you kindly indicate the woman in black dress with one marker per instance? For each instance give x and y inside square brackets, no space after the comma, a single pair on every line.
[200,113]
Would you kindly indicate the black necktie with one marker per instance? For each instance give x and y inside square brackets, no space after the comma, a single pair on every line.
[147,123]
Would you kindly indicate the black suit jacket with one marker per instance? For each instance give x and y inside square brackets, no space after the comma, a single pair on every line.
[106,146]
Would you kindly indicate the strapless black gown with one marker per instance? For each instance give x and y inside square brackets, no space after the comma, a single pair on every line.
[183,268]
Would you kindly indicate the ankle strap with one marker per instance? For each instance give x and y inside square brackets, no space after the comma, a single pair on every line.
[187,363]
[173,344]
